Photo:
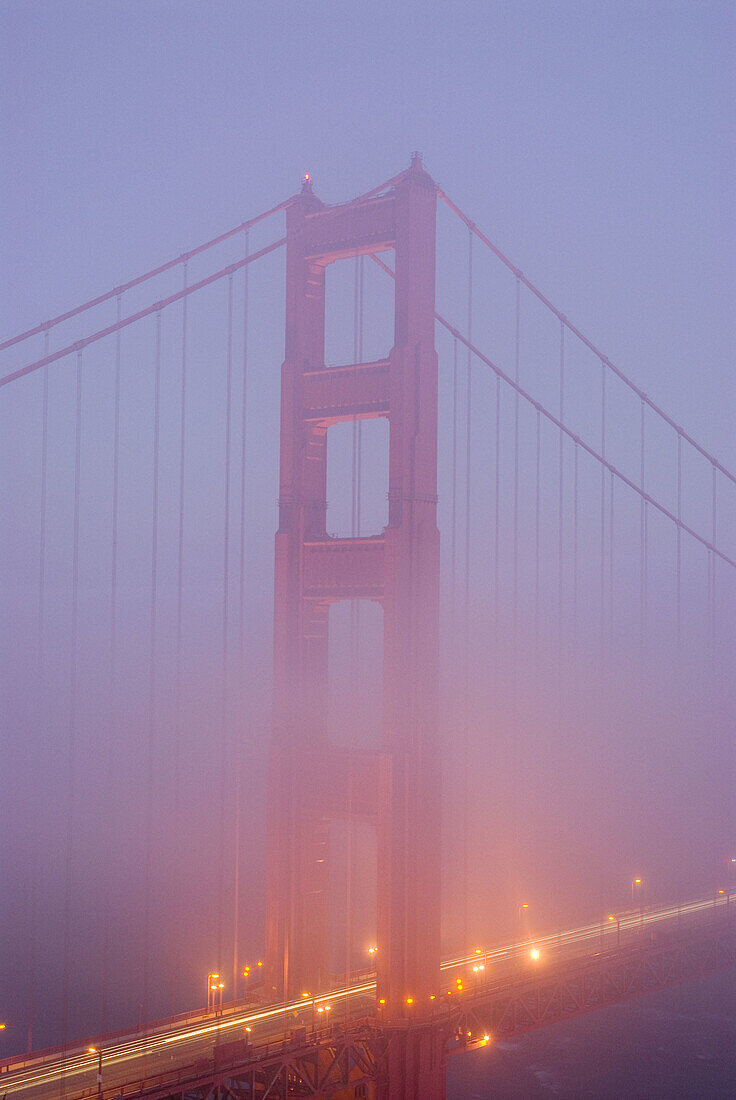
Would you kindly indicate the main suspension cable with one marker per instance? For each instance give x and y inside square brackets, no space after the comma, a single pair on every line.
[156,307]
[647,499]
[580,336]
[117,291]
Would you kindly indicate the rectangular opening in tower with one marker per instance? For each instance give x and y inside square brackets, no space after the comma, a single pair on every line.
[355,674]
[359,311]
[357,477]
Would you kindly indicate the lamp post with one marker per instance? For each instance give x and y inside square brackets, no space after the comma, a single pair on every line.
[306,996]
[521,911]
[98,1052]
[215,987]
[637,887]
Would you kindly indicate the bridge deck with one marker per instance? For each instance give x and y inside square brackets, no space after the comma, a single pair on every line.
[576,970]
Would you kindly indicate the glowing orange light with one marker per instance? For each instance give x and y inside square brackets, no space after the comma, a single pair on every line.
[534,953]
[382,1001]
[611,917]
[637,882]
[2,1027]
[306,994]
[248,1030]
[486,1038]
[410,1000]
[431,996]
[720,891]
[91,1050]
[478,951]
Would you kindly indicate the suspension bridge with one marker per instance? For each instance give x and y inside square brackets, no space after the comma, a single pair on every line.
[496,558]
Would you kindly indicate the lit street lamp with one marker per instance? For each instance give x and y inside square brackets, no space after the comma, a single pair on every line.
[98,1052]
[214,992]
[306,996]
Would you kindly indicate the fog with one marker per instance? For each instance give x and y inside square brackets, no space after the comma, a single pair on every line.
[587,695]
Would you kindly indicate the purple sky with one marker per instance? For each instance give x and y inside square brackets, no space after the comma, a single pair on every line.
[594,144]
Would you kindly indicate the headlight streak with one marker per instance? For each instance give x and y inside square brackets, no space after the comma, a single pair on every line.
[80,1063]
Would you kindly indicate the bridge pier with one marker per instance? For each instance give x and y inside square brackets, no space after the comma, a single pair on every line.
[414,1066]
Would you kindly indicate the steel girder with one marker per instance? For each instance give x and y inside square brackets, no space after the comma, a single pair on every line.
[333,1065]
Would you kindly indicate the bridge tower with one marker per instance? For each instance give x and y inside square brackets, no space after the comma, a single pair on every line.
[398,787]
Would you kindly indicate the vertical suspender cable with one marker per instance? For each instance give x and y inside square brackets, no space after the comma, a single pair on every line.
[148,794]
[361,272]
[602,754]
[225,624]
[72,726]
[497,530]
[243,456]
[644,757]
[453,533]
[611,601]
[180,591]
[40,668]
[603,511]
[643,563]
[713,626]
[354,495]
[245,709]
[678,536]
[466,647]
[515,780]
[560,528]
[575,541]
[42,539]
[516,473]
[180,546]
[537,542]
[113,622]
[560,569]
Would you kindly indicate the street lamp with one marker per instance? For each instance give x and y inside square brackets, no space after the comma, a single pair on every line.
[324,1010]
[306,997]
[98,1052]
[215,987]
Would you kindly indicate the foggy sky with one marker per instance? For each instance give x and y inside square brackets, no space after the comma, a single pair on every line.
[594,145]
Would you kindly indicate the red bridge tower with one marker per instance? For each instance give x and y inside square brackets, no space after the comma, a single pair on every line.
[397,788]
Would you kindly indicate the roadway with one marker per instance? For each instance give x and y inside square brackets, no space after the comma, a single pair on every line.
[172,1046]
